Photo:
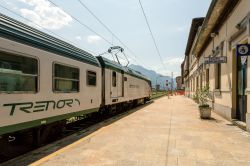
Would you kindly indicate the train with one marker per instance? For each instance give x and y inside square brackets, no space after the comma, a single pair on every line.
[45,81]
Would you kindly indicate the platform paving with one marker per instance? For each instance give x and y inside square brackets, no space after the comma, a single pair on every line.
[167,132]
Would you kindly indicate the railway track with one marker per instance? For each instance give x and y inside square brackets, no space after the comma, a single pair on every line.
[19,146]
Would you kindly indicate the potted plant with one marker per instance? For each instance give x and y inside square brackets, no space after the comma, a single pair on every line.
[204,108]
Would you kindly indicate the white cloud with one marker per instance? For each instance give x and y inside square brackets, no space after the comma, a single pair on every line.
[174,61]
[45,15]
[78,38]
[93,39]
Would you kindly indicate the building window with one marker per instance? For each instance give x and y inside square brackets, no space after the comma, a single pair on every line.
[18,73]
[114,79]
[91,78]
[66,79]
[218,76]
[197,82]
[194,84]
[201,81]
[207,77]
[191,85]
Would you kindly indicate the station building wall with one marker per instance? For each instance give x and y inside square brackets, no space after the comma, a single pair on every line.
[224,97]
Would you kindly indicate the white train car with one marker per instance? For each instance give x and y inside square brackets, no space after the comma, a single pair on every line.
[122,84]
[43,79]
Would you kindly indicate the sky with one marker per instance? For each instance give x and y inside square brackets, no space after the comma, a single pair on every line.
[170,21]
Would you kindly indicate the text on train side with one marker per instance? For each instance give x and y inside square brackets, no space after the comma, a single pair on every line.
[29,107]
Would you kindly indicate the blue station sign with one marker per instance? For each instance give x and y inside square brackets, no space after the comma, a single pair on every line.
[243,50]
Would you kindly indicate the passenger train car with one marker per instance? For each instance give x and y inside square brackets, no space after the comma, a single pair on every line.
[121,84]
[44,80]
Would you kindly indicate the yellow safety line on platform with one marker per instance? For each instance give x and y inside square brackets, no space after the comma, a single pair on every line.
[43,160]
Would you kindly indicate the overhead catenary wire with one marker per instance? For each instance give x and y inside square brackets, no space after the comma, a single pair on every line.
[86,26]
[81,23]
[112,33]
[17,14]
[90,29]
[107,28]
[106,52]
[152,35]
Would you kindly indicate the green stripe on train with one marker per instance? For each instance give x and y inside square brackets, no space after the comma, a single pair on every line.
[39,122]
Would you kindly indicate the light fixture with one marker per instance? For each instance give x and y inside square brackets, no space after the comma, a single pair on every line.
[238,26]
[214,34]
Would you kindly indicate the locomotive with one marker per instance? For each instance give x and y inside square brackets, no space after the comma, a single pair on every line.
[44,80]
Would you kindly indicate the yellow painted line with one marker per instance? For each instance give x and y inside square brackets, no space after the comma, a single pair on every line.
[60,151]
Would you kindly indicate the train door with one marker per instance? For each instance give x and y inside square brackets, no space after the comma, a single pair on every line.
[114,85]
[242,85]
[120,83]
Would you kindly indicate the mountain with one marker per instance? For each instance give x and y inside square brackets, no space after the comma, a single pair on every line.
[153,76]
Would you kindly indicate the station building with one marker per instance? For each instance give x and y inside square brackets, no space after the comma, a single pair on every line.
[211,59]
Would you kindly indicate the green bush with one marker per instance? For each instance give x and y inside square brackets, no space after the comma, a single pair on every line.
[203,96]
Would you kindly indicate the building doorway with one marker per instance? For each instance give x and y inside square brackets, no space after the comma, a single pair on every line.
[241,98]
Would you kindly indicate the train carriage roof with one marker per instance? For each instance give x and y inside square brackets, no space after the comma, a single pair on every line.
[17,31]
[109,64]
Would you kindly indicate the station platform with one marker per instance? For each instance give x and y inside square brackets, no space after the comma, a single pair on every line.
[167,132]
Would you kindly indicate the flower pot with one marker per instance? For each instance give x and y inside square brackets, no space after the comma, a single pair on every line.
[205,112]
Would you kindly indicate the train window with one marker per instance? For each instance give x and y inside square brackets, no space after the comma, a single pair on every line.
[114,79]
[18,73]
[66,79]
[91,78]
